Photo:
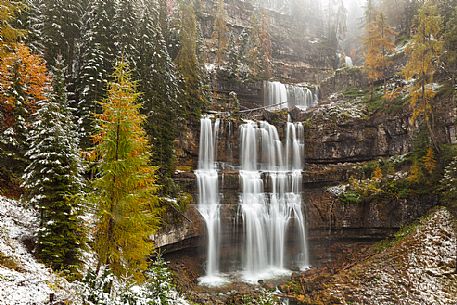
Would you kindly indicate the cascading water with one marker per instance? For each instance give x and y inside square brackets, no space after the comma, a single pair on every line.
[267,163]
[208,199]
[279,96]
[275,95]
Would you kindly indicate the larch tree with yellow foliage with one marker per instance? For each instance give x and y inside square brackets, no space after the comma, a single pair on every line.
[423,53]
[9,35]
[126,200]
[378,42]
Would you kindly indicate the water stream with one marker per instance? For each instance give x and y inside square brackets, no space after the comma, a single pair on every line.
[271,178]
[280,96]
[270,205]
[208,199]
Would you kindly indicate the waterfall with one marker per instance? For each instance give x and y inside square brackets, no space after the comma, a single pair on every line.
[208,197]
[278,96]
[275,95]
[267,163]
[348,61]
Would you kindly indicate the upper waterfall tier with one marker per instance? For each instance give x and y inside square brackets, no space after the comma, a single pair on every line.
[279,96]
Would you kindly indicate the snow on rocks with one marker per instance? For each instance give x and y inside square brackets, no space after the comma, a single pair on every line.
[420,269]
[22,279]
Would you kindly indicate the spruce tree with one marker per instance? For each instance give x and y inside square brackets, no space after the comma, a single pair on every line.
[23,79]
[188,64]
[52,180]
[125,23]
[97,57]
[60,30]
[160,87]
[423,57]
[125,190]
[32,20]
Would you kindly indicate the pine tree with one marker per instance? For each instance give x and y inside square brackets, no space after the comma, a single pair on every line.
[219,35]
[60,29]
[23,79]
[125,23]
[125,190]
[32,21]
[423,56]
[159,85]
[188,64]
[378,43]
[52,180]
[96,63]
[9,10]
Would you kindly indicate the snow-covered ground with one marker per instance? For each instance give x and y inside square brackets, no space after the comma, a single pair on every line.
[22,279]
[421,269]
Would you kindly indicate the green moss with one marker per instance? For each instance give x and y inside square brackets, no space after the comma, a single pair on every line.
[354,93]
[184,200]
[351,197]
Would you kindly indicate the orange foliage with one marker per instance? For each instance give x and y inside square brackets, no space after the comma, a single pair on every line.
[429,160]
[377,174]
[23,69]
[378,42]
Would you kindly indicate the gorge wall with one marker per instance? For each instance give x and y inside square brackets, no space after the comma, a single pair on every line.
[341,137]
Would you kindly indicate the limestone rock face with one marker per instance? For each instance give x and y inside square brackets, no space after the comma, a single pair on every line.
[339,139]
[343,79]
[340,135]
[357,140]
[299,50]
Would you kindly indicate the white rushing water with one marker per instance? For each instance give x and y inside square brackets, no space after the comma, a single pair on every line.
[271,178]
[279,96]
[208,198]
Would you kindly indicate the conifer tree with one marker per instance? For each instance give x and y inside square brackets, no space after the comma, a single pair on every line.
[220,32]
[96,63]
[159,85]
[125,23]
[52,180]
[23,79]
[378,42]
[125,190]
[32,20]
[188,64]
[423,55]
[60,29]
